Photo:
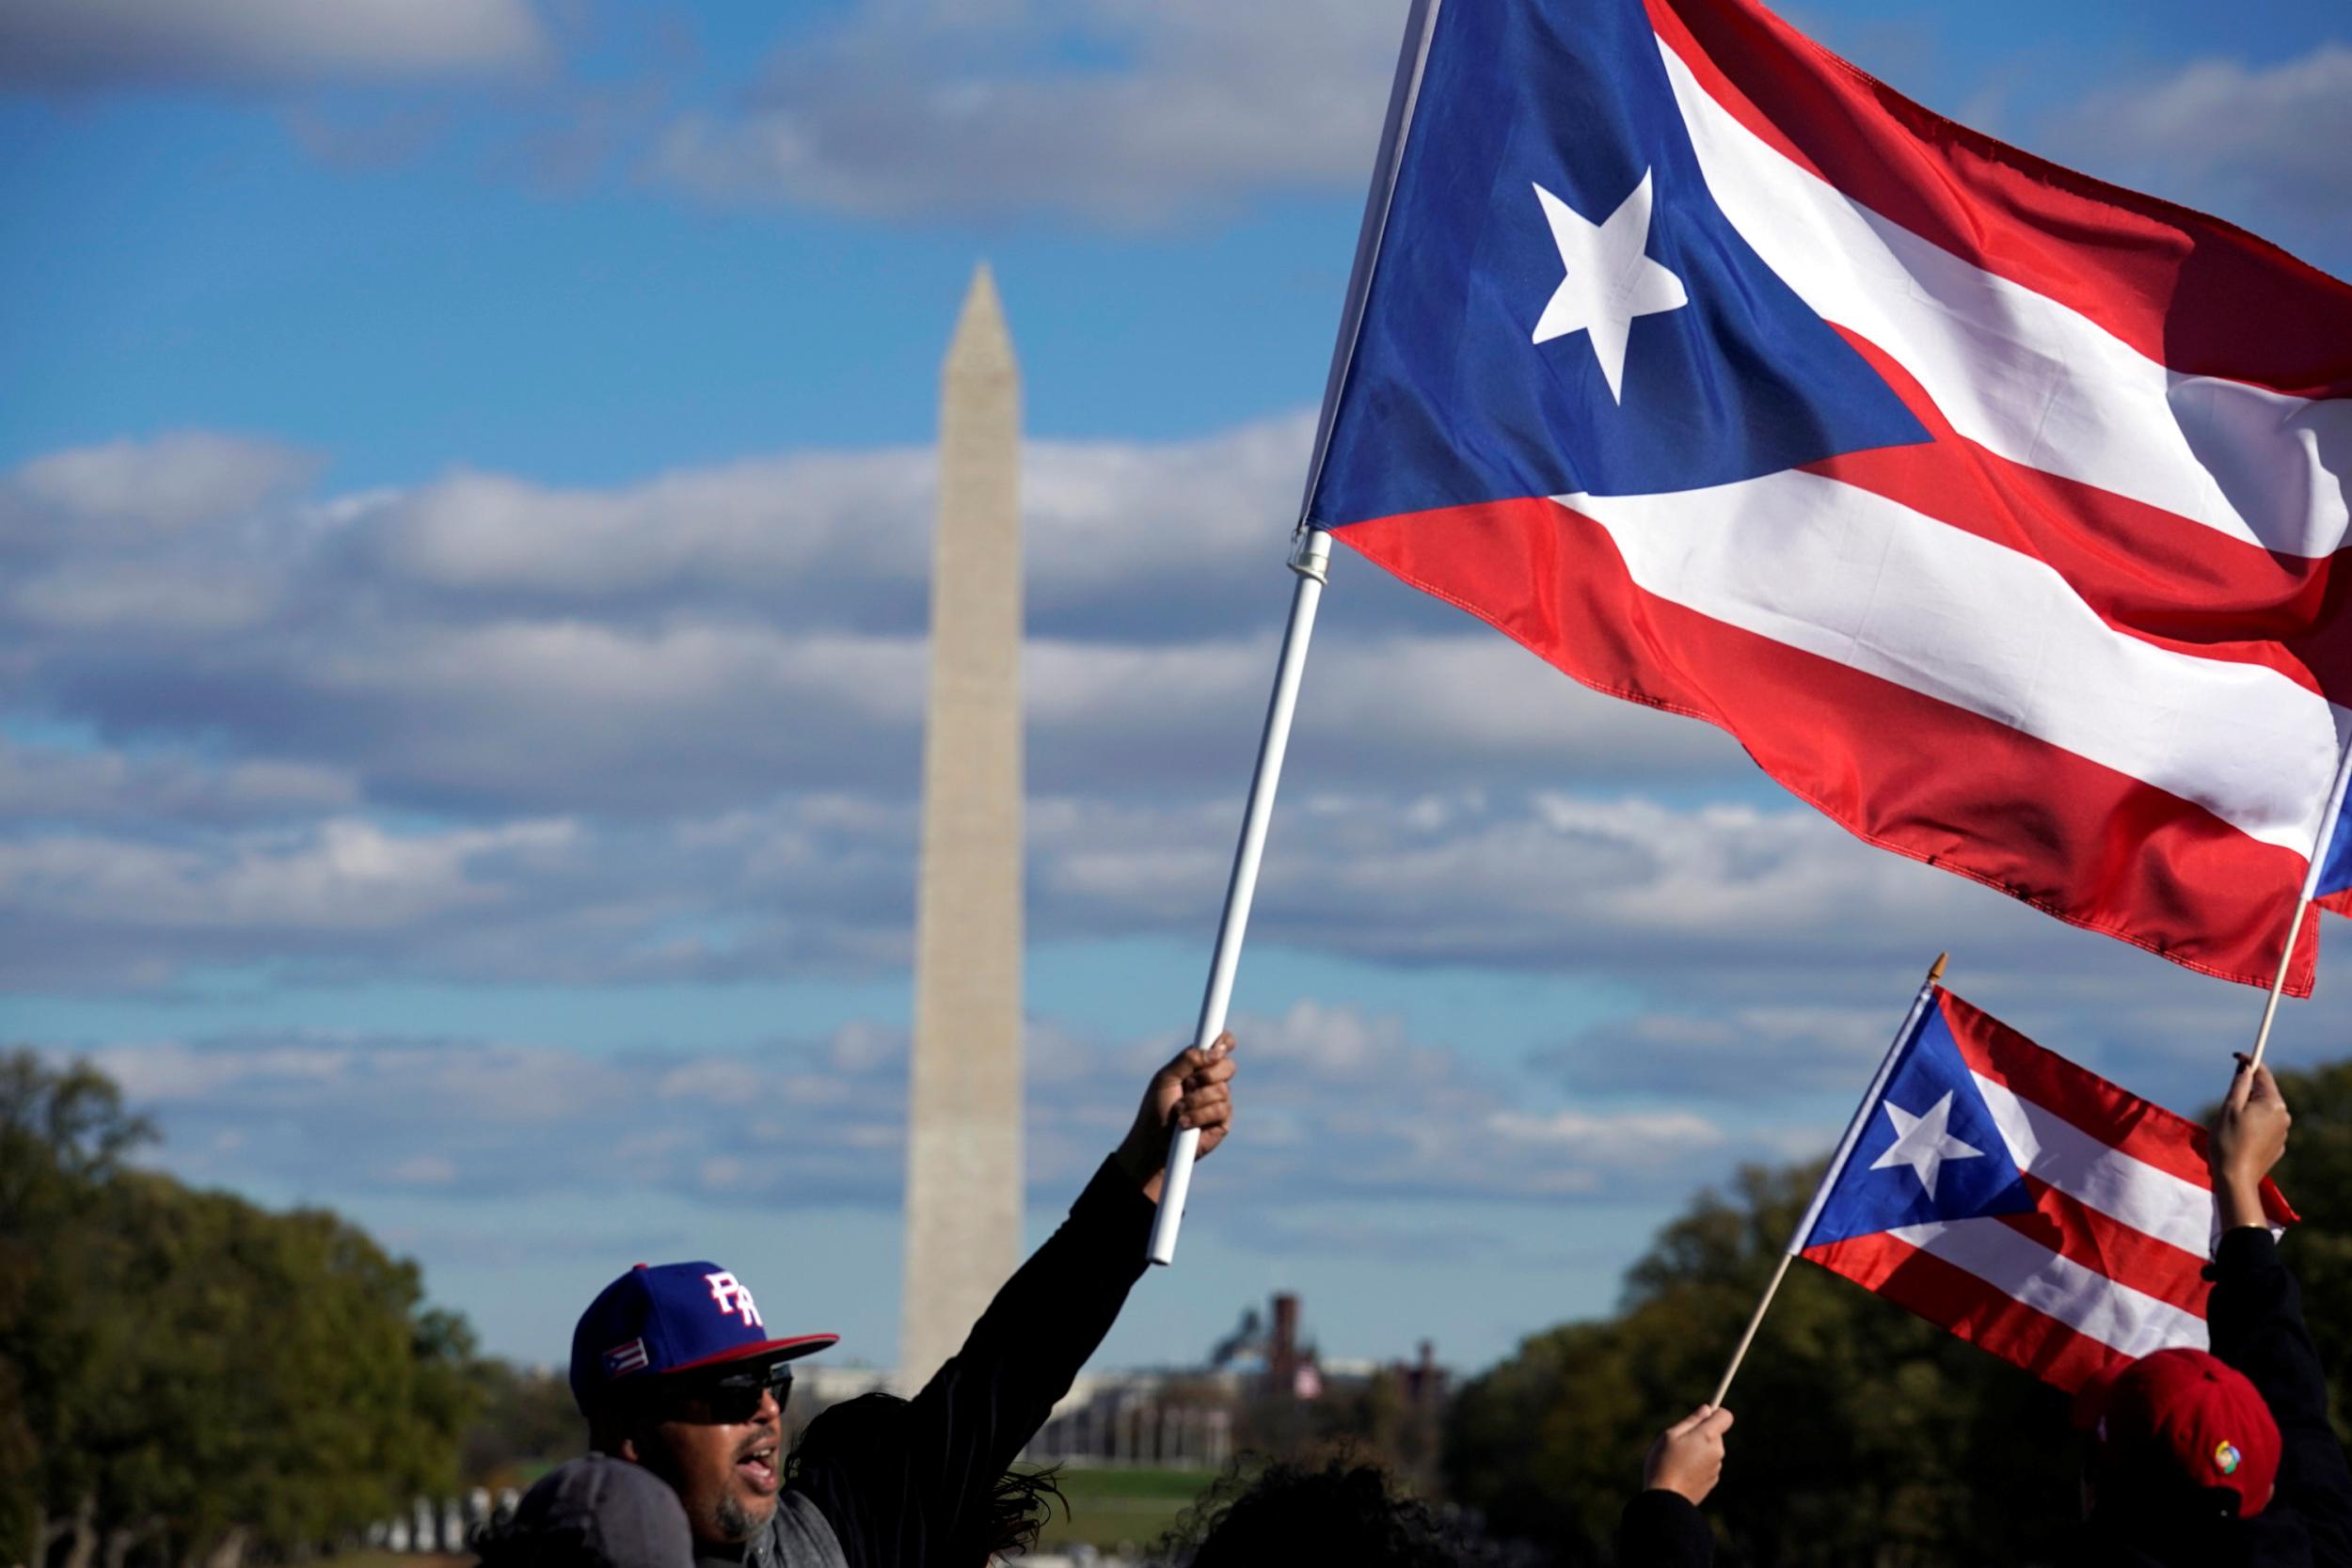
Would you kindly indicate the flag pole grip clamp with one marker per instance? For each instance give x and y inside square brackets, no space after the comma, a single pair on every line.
[1311,556]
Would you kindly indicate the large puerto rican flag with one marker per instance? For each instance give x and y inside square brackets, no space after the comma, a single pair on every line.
[2024,1203]
[1992,508]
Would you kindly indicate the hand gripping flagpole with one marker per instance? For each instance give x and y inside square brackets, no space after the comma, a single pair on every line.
[1829,1178]
[1312,561]
[2303,903]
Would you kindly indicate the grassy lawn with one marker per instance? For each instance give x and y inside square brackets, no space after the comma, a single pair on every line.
[1108,1506]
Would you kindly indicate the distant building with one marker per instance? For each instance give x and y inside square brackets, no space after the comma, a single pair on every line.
[1195,1418]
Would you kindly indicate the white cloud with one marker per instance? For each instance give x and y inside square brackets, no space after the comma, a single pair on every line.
[186,536]
[762,524]
[1108,109]
[711,637]
[48,783]
[80,46]
[2262,143]
[491,731]
[174,480]
[1543,879]
[425,1170]
[171,1072]
[1332,1103]
[792,534]
[1646,1137]
[1725,1055]
[140,600]
[345,874]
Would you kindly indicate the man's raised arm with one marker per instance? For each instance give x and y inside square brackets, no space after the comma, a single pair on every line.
[980,1410]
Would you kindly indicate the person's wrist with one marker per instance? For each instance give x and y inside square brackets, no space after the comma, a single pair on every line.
[2238,1195]
[1135,1160]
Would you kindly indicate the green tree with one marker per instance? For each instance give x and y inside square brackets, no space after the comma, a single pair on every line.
[1866,1437]
[527,1424]
[200,1378]
[63,1135]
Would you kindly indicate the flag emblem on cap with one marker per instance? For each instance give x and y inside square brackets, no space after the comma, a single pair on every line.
[622,1359]
[2225,1458]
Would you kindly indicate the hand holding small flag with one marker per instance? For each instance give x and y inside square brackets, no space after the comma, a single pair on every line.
[2031,1207]
[2248,1137]
[1687,1457]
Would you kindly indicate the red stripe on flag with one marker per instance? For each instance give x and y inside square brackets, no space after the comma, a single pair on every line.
[2073,1093]
[2134,1258]
[1983,1314]
[2146,572]
[1902,770]
[2185,289]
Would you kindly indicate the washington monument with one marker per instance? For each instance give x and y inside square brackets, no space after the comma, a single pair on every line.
[964,1140]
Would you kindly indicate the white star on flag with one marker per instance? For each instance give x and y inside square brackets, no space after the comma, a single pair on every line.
[1611,280]
[1922,1142]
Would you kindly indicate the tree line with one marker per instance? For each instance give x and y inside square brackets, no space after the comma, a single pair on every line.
[190,1381]
[187,1379]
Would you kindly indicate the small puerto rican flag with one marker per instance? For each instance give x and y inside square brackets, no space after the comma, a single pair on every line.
[2030,1206]
[622,1359]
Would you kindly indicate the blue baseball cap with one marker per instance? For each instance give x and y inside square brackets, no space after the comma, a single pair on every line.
[671,1318]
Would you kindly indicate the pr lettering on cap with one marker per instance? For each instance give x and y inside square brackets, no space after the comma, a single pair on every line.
[732,1297]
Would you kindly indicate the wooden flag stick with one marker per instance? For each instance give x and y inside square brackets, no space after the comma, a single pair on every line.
[1829,1177]
[1755,1320]
[2270,1007]
[2303,903]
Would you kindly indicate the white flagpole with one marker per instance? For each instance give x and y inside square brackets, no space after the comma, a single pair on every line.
[1310,560]
[1829,1178]
[2303,903]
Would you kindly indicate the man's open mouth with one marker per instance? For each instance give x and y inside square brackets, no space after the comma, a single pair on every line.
[759,1468]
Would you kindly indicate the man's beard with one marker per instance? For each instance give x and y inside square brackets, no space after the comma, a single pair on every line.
[737,1523]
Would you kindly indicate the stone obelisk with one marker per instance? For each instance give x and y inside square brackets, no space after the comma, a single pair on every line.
[964,1138]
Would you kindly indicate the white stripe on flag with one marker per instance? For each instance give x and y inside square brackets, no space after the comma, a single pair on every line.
[2128,1320]
[2101,1177]
[2024,375]
[1850,576]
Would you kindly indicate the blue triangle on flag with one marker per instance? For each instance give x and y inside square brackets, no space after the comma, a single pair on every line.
[1457,394]
[2335,864]
[1930,1150]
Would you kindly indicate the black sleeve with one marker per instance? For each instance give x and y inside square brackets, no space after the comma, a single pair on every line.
[1663,1530]
[2256,1319]
[977,1414]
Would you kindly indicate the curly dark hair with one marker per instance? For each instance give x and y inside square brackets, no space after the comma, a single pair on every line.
[1006,1517]
[1342,1510]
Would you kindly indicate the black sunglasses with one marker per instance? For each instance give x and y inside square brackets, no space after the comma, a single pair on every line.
[729,1401]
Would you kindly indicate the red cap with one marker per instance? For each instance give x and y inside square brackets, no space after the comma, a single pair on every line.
[2186,1415]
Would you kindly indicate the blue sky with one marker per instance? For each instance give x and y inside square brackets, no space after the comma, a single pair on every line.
[464,483]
